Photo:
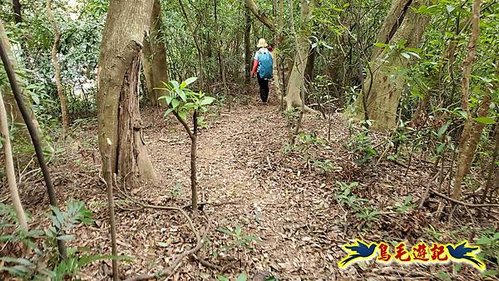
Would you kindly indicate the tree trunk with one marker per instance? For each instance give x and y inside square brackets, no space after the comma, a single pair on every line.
[259,14]
[117,98]
[10,104]
[16,6]
[154,54]
[383,87]
[247,47]
[9,167]
[297,76]
[57,69]
[472,130]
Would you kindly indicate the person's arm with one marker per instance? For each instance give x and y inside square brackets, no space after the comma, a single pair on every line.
[255,67]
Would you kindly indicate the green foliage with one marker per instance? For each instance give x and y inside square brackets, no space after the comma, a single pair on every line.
[43,262]
[360,144]
[237,239]
[346,197]
[183,101]
[489,244]
[405,206]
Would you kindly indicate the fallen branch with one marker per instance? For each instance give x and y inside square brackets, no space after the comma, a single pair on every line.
[464,203]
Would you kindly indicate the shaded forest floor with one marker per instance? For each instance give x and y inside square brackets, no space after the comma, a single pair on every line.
[270,208]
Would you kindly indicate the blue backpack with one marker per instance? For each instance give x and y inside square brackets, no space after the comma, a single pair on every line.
[265,65]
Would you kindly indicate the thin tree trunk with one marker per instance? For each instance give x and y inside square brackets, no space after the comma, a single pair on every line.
[117,98]
[154,58]
[9,167]
[16,6]
[472,130]
[194,137]
[112,218]
[247,47]
[33,132]
[57,69]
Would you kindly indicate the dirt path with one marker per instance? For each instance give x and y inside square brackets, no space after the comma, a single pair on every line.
[245,185]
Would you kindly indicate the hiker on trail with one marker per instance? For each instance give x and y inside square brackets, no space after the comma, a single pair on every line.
[263,68]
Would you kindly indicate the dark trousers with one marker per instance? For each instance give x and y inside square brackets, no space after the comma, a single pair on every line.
[264,88]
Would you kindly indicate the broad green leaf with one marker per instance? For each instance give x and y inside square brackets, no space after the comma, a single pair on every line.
[190,80]
[174,103]
[174,84]
[442,130]
[207,101]
[450,8]
[485,120]
[182,95]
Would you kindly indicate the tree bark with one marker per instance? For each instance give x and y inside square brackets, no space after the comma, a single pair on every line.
[117,97]
[9,167]
[154,54]
[251,4]
[383,88]
[472,129]
[247,47]
[296,81]
[57,69]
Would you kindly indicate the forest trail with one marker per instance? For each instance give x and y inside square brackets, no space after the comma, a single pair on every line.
[244,185]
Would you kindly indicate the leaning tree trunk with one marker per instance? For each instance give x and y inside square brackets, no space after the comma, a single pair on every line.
[296,79]
[13,112]
[383,87]
[117,98]
[154,53]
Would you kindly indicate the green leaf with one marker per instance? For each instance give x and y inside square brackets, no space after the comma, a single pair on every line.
[174,84]
[182,115]
[381,45]
[450,8]
[168,111]
[175,103]
[405,55]
[222,278]
[66,237]
[242,277]
[207,101]
[442,130]
[190,80]
[182,95]
[485,120]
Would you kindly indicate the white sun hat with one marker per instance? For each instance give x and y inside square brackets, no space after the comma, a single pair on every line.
[262,43]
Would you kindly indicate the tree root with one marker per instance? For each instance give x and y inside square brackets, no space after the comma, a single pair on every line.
[464,203]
